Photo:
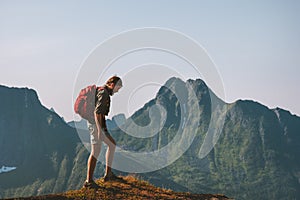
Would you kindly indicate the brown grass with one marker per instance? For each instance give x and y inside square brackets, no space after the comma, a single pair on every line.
[128,188]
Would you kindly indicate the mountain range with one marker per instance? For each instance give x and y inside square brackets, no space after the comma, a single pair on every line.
[243,149]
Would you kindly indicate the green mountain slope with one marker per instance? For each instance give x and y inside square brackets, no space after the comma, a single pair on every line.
[255,156]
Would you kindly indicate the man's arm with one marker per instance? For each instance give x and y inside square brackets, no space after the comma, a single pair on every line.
[100,123]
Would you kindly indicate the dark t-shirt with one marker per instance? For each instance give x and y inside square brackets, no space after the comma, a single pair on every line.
[102,101]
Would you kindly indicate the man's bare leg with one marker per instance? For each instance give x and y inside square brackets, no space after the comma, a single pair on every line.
[109,153]
[92,161]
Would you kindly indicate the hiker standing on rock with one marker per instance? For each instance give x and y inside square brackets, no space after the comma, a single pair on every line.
[99,133]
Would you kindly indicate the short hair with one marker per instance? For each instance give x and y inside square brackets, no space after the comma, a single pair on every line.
[116,80]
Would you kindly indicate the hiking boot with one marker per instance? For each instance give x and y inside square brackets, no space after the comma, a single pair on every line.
[91,185]
[111,177]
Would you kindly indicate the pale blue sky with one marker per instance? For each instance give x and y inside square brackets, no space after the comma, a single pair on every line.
[254,44]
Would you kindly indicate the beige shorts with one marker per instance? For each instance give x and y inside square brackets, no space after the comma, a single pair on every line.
[93,133]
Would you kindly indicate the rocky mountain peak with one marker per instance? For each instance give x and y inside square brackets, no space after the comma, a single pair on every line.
[17,99]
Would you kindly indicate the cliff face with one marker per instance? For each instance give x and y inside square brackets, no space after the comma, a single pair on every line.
[27,128]
[45,151]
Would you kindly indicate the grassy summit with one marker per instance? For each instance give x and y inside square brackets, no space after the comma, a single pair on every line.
[129,188]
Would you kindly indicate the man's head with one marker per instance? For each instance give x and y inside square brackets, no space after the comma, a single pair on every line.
[114,83]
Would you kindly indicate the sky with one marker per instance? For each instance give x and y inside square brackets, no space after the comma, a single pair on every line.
[255,46]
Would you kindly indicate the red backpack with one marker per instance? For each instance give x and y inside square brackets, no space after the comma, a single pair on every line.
[85,103]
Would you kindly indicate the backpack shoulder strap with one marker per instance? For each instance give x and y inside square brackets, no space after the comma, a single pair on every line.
[100,88]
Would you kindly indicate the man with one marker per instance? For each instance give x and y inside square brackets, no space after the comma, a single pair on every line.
[99,132]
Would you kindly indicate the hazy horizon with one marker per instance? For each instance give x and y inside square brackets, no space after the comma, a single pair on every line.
[254,45]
